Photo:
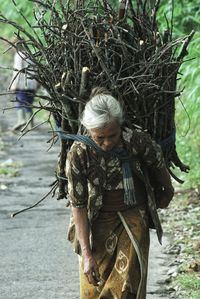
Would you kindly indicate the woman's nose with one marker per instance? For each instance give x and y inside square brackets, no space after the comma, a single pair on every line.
[107,143]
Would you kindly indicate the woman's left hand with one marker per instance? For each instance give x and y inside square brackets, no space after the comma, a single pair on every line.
[91,270]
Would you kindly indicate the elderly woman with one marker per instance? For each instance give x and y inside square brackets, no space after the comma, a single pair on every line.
[112,200]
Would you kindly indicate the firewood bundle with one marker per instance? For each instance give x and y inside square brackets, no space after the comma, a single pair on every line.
[78,45]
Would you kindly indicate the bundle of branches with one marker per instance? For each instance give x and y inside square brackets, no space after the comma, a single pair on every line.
[77,45]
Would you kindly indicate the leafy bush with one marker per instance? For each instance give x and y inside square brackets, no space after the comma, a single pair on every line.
[186,16]
[12,12]
[190,285]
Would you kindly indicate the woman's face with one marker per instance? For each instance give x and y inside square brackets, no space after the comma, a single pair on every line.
[107,137]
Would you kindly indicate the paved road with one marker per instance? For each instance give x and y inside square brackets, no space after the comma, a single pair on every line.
[36,261]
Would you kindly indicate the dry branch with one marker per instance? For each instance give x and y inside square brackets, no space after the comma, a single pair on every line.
[76,46]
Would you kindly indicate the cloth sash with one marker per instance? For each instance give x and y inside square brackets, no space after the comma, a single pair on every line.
[121,154]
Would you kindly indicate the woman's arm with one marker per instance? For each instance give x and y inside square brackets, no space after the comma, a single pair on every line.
[78,195]
[82,229]
[83,232]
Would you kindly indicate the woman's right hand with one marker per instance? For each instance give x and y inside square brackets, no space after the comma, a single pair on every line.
[90,267]
[91,270]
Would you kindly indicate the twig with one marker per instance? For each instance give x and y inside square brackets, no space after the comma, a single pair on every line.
[34,205]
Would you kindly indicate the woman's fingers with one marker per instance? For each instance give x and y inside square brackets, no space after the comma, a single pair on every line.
[91,271]
[97,275]
[92,278]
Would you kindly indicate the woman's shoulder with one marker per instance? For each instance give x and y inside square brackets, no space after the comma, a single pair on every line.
[77,148]
[77,154]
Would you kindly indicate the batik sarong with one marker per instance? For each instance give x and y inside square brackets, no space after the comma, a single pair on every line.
[120,248]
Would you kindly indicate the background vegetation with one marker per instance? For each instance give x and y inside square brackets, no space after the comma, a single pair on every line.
[183,218]
[186,17]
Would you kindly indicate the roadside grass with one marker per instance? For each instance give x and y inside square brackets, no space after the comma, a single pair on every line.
[182,222]
[190,284]
[10,168]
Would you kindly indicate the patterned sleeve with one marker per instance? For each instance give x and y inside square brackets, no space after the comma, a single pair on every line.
[149,150]
[76,175]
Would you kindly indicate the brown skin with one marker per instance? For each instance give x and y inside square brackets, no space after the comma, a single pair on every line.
[82,229]
[107,138]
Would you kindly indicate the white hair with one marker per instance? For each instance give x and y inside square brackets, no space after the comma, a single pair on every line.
[100,111]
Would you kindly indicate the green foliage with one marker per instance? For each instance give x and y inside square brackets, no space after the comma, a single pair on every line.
[188,114]
[186,16]
[9,172]
[12,12]
[190,285]
[10,168]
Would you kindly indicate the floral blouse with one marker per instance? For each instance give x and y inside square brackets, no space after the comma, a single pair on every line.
[90,174]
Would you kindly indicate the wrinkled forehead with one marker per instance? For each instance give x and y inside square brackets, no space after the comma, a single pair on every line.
[108,130]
